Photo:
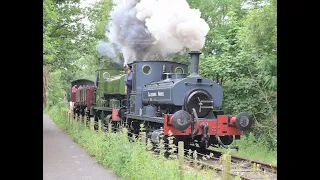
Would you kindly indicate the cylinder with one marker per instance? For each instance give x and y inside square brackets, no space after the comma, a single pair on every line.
[150,111]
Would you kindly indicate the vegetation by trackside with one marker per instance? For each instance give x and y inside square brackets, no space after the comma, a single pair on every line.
[129,160]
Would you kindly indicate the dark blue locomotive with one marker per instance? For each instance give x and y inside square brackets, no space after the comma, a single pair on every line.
[166,100]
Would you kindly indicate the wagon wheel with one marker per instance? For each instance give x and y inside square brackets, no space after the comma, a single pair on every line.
[96,119]
[102,117]
[74,112]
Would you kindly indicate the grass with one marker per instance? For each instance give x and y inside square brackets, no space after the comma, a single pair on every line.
[129,160]
[251,148]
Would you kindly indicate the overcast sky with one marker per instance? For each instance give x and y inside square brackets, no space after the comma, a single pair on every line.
[85,3]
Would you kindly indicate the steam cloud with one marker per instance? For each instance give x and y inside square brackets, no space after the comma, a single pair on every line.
[154,26]
[108,49]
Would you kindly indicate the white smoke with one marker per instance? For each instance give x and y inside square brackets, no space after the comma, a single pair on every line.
[108,49]
[155,26]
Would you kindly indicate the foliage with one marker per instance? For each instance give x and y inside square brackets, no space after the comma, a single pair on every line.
[61,25]
[240,55]
[56,93]
[69,46]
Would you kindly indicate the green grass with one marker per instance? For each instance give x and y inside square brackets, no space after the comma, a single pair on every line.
[129,160]
[251,148]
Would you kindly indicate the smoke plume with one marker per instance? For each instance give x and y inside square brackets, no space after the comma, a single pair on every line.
[109,50]
[155,26]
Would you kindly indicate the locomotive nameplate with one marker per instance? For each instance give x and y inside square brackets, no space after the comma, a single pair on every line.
[153,94]
[157,94]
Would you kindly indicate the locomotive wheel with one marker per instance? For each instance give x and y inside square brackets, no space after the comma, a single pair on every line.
[203,146]
[181,120]
[83,112]
[121,112]
[186,144]
[226,140]
[243,122]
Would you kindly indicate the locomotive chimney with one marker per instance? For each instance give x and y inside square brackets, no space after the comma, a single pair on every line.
[194,55]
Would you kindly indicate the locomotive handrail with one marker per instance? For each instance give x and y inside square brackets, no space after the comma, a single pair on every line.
[191,83]
[148,83]
[158,83]
[207,101]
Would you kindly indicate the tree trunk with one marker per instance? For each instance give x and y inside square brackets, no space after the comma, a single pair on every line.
[45,86]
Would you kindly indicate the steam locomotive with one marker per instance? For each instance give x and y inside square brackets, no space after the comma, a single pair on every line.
[100,98]
[165,100]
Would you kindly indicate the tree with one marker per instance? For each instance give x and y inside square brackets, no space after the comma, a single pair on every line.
[70,45]
[240,54]
[61,26]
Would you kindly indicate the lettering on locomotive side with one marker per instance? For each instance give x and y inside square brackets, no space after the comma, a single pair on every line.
[160,93]
[153,94]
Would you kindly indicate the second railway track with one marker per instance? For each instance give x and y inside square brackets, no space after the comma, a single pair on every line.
[245,168]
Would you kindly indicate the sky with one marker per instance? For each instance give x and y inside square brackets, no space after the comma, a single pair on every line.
[85,3]
[85,21]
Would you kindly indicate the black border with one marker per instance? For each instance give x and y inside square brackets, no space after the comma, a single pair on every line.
[296,141]
[22,27]
[282,70]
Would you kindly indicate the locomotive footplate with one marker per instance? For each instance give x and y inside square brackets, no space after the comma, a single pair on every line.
[103,108]
[146,118]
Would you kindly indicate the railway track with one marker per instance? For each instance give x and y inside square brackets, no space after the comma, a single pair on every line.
[245,168]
